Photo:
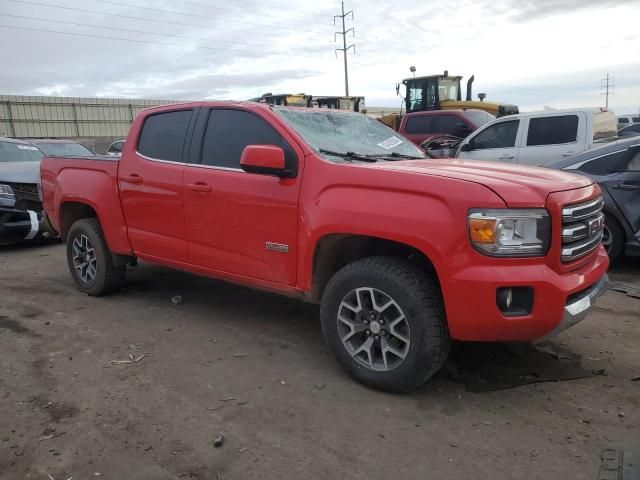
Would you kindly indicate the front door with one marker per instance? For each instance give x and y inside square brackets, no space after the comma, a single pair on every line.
[497,142]
[150,183]
[238,222]
[624,188]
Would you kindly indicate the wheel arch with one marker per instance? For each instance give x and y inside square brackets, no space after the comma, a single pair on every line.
[336,250]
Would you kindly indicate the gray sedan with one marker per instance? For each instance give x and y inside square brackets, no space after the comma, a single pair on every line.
[616,168]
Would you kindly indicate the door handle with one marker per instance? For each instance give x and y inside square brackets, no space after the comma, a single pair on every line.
[199,187]
[506,157]
[627,186]
[133,178]
[568,154]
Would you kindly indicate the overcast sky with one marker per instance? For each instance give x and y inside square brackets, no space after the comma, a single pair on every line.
[532,53]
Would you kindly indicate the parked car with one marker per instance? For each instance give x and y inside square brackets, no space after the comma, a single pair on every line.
[632,130]
[422,126]
[616,168]
[61,147]
[116,148]
[626,120]
[403,253]
[538,138]
[20,204]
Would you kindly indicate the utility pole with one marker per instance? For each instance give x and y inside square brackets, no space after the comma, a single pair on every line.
[344,48]
[607,85]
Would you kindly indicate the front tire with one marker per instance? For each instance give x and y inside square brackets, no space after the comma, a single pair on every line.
[384,320]
[90,261]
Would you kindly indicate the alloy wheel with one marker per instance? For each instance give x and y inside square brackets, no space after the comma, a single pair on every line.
[84,258]
[607,238]
[373,328]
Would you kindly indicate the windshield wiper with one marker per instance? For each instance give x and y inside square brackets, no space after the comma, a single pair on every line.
[350,155]
[396,155]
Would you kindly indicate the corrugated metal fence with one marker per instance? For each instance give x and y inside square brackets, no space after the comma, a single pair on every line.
[68,117]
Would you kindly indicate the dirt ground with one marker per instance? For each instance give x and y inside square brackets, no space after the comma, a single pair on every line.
[253,367]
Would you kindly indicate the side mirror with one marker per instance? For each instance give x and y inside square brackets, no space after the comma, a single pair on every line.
[264,160]
[466,147]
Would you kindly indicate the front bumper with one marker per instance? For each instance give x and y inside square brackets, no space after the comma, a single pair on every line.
[577,307]
[18,225]
[470,298]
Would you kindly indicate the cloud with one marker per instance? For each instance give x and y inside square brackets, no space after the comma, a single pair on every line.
[528,10]
[531,53]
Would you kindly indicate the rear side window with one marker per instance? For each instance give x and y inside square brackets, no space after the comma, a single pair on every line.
[163,135]
[636,119]
[116,147]
[552,130]
[229,131]
[623,120]
[420,124]
[614,162]
[500,135]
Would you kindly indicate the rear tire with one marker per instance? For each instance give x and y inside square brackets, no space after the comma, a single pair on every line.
[613,237]
[384,320]
[90,261]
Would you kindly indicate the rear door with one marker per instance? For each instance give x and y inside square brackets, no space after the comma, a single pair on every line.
[150,182]
[238,222]
[498,142]
[552,137]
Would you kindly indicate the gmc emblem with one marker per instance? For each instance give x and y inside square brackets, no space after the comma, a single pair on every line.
[596,226]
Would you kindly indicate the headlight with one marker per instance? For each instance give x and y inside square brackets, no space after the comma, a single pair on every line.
[510,232]
[7,192]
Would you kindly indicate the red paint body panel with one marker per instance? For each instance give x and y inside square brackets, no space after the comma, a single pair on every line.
[217,222]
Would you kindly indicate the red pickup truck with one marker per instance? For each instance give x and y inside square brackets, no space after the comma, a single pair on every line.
[403,253]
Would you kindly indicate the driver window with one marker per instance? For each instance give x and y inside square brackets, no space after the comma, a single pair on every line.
[229,131]
[500,135]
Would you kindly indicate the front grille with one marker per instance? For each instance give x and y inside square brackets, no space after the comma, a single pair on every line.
[582,226]
[27,196]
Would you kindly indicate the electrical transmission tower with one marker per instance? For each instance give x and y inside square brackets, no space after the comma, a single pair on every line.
[344,48]
[607,85]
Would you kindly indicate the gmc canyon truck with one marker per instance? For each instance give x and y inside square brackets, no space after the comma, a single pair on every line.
[402,253]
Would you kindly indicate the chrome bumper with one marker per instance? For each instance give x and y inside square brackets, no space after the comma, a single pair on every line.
[578,307]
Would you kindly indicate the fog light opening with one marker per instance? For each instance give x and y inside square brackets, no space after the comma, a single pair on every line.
[514,301]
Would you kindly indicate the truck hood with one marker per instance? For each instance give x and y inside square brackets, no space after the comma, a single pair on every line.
[517,185]
[20,172]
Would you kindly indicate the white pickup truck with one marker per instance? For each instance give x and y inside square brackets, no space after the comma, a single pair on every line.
[538,138]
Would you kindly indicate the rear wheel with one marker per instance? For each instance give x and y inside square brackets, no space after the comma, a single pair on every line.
[384,320]
[613,237]
[90,261]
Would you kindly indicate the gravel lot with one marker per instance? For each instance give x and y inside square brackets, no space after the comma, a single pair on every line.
[253,367]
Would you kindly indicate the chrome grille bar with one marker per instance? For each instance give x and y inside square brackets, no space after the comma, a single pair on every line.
[582,226]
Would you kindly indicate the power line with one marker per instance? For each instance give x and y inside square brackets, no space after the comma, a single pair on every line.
[216,7]
[127,30]
[131,17]
[194,15]
[344,48]
[307,12]
[105,37]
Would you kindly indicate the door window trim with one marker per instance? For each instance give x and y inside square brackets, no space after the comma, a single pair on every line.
[187,139]
[525,137]
[515,142]
[203,121]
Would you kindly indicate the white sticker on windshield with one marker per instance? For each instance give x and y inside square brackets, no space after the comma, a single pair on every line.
[390,143]
[27,147]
